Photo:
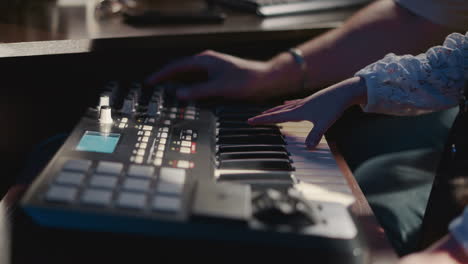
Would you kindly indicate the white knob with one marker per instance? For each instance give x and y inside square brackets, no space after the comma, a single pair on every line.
[128,106]
[103,101]
[105,116]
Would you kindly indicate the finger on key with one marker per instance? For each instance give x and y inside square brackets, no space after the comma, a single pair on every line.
[279,107]
[274,117]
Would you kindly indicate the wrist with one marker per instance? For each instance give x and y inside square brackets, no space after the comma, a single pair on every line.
[353,91]
[359,91]
[286,73]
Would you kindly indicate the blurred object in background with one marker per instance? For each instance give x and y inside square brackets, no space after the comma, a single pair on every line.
[108,8]
[30,20]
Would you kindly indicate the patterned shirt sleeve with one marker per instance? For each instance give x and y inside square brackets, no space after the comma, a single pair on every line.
[412,85]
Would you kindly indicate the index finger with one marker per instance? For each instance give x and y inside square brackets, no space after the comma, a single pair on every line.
[274,117]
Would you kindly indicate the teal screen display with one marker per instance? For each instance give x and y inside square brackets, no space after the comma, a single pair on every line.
[98,142]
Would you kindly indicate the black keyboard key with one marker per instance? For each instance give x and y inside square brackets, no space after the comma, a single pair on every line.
[250,148]
[247,139]
[258,176]
[240,124]
[256,164]
[253,155]
[248,131]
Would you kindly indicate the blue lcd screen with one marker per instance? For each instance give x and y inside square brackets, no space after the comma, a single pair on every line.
[98,142]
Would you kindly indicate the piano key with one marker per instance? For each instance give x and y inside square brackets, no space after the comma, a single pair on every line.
[318,178]
[317,166]
[251,148]
[261,185]
[247,131]
[240,124]
[253,155]
[273,175]
[257,164]
[247,139]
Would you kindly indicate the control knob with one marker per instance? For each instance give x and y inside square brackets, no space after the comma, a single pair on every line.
[128,106]
[105,115]
[152,108]
[103,101]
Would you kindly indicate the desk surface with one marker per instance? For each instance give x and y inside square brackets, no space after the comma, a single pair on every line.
[22,21]
[69,26]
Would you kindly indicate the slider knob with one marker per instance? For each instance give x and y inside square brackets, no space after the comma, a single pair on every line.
[128,106]
[105,115]
[152,108]
[103,101]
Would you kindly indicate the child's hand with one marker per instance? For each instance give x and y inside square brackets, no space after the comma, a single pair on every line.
[322,108]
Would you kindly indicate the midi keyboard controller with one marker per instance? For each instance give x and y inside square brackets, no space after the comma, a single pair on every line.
[140,161]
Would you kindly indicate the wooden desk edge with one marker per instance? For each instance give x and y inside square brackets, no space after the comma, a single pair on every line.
[381,250]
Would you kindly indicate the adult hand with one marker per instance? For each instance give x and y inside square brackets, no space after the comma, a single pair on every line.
[229,76]
[322,108]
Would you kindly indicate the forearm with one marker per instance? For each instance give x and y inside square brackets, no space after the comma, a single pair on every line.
[378,29]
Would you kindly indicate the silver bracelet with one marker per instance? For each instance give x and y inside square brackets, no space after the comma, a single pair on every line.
[299,59]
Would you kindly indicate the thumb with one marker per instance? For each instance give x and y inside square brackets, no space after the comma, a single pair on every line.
[315,136]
